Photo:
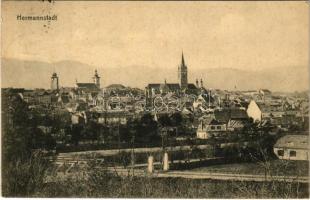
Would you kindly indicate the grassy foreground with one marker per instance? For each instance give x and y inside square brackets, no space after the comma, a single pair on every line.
[102,184]
[274,167]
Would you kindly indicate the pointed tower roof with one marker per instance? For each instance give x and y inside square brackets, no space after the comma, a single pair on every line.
[183,62]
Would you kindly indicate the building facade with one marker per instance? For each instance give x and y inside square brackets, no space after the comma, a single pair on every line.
[54,82]
[292,147]
[96,79]
[182,87]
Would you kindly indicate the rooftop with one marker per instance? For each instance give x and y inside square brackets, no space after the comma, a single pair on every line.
[87,85]
[293,141]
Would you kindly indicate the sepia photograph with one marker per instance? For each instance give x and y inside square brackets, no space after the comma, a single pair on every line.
[155,99]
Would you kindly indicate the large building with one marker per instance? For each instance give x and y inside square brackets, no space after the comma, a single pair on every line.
[87,91]
[89,87]
[181,87]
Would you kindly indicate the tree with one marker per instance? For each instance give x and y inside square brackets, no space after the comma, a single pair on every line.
[164,120]
[176,119]
[76,133]
[22,170]
[146,130]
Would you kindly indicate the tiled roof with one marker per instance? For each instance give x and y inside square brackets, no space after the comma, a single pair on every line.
[87,85]
[153,85]
[222,116]
[269,108]
[236,123]
[238,114]
[191,86]
[226,115]
[173,86]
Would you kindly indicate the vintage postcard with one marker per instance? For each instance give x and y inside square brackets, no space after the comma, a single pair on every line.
[148,99]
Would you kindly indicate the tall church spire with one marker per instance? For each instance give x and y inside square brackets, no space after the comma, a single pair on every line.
[183,62]
[182,73]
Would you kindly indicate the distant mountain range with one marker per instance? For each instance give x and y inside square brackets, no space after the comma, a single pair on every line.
[35,74]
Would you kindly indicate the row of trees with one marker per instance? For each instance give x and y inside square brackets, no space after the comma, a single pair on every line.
[143,130]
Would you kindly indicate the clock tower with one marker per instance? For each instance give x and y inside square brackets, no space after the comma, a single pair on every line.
[96,79]
[54,82]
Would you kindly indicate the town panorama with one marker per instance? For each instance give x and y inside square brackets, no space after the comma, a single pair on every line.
[164,128]
[114,99]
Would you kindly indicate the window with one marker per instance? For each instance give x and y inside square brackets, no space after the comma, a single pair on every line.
[280,153]
[212,127]
[292,153]
[289,142]
[218,127]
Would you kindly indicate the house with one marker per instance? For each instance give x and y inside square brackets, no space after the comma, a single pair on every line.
[156,88]
[292,147]
[234,118]
[115,89]
[113,117]
[259,111]
[254,111]
[208,127]
[204,100]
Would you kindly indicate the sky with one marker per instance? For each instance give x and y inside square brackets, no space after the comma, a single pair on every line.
[240,35]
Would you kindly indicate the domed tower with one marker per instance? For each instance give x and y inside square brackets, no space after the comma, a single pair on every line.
[96,79]
[54,82]
[182,74]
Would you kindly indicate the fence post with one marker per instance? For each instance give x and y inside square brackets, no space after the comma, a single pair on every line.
[166,162]
[150,167]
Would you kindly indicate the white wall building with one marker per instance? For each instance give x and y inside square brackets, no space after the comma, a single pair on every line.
[254,111]
[292,147]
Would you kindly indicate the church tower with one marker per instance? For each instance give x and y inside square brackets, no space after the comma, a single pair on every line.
[54,82]
[96,79]
[182,74]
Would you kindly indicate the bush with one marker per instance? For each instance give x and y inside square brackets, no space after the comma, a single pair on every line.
[23,178]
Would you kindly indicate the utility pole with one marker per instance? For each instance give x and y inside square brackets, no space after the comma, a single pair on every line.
[133,155]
